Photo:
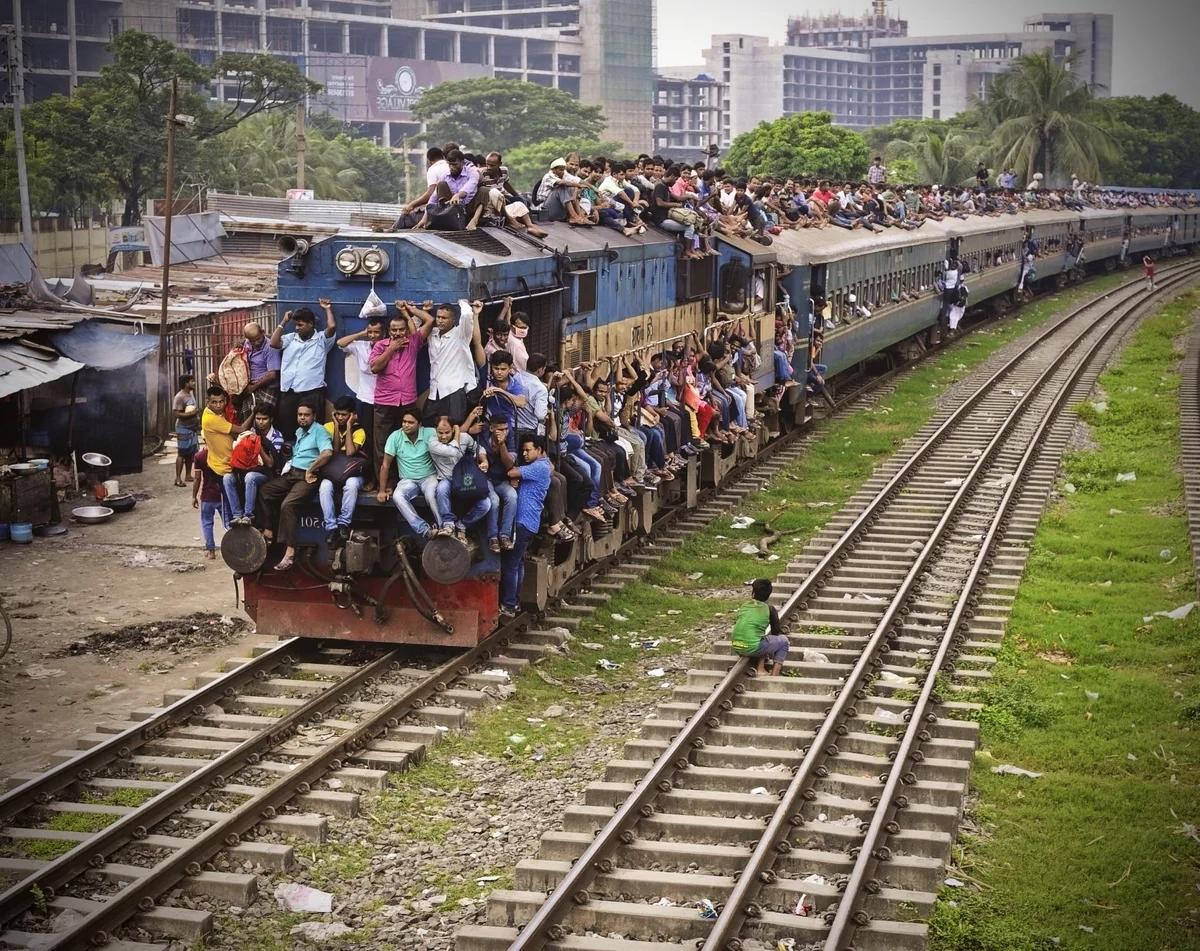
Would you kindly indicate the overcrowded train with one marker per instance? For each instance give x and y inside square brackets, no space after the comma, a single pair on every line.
[598,299]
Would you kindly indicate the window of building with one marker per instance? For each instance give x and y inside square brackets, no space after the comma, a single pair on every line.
[725,62]
[741,43]
[937,113]
[725,47]
[937,69]
[937,99]
[937,85]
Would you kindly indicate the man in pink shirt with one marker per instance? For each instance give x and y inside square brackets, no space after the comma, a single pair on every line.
[394,363]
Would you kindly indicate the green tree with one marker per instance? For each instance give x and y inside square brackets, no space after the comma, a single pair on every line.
[1158,143]
[807,145]
[113,128]
[527,164]
[258,157]
[501,114]
[936,160]
[1040,116]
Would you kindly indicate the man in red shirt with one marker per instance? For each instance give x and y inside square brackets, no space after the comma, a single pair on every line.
[1149,272]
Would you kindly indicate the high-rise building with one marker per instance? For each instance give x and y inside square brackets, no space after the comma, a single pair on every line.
[374,57]
[867,71]
[687,114]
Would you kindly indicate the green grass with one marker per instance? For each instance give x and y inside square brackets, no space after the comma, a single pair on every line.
[1099,841]
[457,887]
[334,863]
[79,822]
[44,849]
[415,800]
[121,797]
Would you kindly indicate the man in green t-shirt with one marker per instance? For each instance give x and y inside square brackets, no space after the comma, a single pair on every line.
[757,633]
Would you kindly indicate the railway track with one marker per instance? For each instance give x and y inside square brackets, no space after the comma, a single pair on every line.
[152,803]
[1189,433]
[821,806]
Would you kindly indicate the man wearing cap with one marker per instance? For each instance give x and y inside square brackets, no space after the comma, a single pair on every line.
[559,191]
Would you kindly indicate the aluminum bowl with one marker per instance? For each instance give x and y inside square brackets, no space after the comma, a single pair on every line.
[92,514]
[96,460]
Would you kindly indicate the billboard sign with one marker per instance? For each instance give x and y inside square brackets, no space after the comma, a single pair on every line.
[379,88]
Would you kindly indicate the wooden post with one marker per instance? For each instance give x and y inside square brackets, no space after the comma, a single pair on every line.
[164,387]
[301,144]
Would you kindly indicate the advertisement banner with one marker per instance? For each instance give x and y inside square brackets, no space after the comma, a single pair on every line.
[379,88]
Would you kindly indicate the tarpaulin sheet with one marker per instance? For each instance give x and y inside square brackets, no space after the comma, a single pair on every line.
[103,348]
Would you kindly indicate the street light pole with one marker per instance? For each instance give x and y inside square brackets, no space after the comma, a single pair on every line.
[164,389]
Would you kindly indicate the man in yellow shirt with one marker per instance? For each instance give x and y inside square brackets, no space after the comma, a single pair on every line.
[348,438]
[219,434]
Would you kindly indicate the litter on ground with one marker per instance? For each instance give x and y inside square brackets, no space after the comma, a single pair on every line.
[814,657]
[656,672]
[889,678]
[296,897]
[749,549]
[1007,769]
[742,521]
[605,664]
[1127,477]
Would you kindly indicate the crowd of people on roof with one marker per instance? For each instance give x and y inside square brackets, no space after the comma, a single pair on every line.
[695,202]
[501,444]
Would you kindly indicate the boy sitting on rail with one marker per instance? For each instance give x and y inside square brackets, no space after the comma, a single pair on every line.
[757,633]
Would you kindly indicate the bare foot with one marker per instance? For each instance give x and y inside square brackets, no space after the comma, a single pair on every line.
[537,232]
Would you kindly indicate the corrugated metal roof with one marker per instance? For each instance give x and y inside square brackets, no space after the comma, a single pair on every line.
[23,366]
[21,323]
[316,212]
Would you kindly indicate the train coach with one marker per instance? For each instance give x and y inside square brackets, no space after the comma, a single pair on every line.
[594,293]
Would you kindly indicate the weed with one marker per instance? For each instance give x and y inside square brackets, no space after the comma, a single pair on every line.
[79,822]
[121,797]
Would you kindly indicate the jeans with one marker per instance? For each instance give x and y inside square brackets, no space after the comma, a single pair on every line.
[208,515]
[656,457]
[503,511]
[774,646]
[350,492]
[588,463]
[739,401]
[512,569]
[252,480]
[674,227]
[783,370]
[722,403]
[409,489]
[446,513]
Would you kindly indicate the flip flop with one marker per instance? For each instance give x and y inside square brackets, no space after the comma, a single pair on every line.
[285,565]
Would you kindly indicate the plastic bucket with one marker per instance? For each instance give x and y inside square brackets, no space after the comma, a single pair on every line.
[112,487]
[22,532]
[3,531]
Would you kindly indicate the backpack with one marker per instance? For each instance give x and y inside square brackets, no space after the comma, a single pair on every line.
[245,456]
[234,372]
[468,484]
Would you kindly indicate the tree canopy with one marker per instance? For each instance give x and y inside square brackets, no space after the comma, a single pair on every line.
[938,159]
[258,157]
[109,138]
[807,145]
[1158,143]
[502,114]
[1040,116]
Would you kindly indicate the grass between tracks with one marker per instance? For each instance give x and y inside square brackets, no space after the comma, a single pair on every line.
[1102,701]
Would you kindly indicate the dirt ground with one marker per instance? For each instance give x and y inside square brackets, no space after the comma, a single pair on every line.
[108,617]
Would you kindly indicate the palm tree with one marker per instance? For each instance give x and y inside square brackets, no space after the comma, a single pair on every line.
[940,160]
[1043,117]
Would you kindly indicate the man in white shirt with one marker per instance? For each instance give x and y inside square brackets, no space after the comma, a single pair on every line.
[559,192]
[532,416]
[453,379]
[437,170]
[359,347]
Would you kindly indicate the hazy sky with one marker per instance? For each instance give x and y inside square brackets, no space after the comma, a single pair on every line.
[1154,40]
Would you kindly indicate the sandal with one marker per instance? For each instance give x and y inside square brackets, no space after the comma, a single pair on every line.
[179,484]
[285,564]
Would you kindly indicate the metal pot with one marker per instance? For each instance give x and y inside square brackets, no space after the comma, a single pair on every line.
[120,503]
[92,514]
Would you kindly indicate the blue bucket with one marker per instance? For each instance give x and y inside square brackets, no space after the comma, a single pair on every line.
[22,532]
[3,531]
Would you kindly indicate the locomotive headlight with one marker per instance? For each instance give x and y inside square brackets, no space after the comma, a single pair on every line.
[348,260]
[374,262]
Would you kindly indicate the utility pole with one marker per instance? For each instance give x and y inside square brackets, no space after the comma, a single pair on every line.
[301,144]
[16,87]
[407,168]
[164,389]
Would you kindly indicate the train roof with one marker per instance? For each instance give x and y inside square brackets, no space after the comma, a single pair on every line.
[808,246]
[1102,214]
[1151,212]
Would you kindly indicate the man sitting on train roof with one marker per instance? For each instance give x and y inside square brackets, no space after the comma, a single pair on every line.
[452,205]
[498,198]
[283,497]
[558,195]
